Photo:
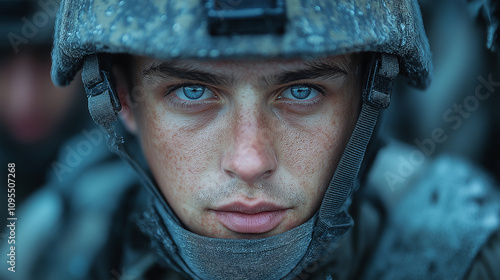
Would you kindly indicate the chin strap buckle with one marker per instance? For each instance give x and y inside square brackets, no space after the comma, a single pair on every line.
[104,106]
[103,100]
[383,70]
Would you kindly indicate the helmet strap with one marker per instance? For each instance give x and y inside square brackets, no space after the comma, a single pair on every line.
[333,221]
[104,106]
[376,97]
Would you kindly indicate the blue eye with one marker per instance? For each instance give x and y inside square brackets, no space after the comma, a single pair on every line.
[194,92]
[300,92]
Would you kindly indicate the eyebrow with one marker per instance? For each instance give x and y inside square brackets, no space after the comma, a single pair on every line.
[169,69]
[313,70]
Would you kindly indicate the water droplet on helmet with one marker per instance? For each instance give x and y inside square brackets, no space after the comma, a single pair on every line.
[121,3]
[317,8]
[229,51]
[163,18]
[113,27]
[202,53]
[176,27]
[125,38]
[110,11]
[214,53]
[175,53]
[160,45]
[315,39]
[130,19]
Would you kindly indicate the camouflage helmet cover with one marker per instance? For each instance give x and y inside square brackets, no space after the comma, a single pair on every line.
[178,30]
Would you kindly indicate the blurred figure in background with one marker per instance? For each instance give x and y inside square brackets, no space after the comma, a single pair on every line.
[47,133]
[35,116]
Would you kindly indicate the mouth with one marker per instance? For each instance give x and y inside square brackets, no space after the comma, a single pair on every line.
[245,218]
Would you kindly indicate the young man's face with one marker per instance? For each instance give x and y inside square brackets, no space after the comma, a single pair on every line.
[243,149]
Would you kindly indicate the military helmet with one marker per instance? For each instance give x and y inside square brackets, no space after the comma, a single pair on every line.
[200,28]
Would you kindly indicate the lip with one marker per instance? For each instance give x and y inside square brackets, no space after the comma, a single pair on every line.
[244,218]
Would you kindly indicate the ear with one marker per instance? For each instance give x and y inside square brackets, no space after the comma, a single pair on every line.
[126,113]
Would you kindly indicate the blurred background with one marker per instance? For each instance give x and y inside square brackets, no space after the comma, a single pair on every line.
[463,101]
[36,118]
[56,148]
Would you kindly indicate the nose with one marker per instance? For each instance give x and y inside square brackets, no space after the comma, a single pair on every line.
[250,157]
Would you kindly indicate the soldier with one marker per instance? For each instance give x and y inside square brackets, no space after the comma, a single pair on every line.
[254,119]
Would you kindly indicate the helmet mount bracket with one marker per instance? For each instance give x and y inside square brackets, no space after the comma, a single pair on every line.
[226,17]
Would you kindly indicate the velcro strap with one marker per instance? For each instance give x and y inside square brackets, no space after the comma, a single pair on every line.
[91,71]
[102,100]
[101,109]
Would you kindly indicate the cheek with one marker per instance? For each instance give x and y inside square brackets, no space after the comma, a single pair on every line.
[179,159]
[307,155]
[311,151]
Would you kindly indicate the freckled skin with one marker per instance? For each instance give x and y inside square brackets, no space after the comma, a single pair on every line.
[246,144]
